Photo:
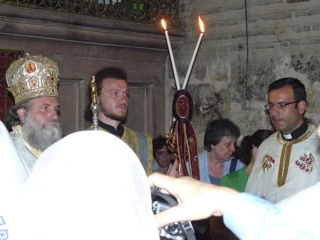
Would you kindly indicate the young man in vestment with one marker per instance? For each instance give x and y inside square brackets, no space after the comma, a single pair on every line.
[113,98]
[289,160]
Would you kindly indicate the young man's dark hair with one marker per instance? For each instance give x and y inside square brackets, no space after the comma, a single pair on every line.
[109,72]
[248,142]
[158,143]
[297,86]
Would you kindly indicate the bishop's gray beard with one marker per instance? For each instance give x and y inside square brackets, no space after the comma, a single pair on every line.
[41,136]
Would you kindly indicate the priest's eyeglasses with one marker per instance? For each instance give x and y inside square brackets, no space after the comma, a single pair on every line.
[279,105]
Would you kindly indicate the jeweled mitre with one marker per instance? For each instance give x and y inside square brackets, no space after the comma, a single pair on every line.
[31,77]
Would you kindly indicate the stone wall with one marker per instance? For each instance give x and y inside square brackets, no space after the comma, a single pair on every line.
[246,46]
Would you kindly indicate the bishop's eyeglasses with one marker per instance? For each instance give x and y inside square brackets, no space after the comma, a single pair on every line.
[279,105]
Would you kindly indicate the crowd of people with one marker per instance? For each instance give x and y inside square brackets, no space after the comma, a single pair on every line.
[264,182]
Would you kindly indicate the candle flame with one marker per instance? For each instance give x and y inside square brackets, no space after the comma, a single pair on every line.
[201,25]
[163,23]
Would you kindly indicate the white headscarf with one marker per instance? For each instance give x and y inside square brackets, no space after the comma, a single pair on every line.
[88,186]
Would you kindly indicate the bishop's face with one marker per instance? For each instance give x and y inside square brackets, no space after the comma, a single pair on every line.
[114,99]
[40,124]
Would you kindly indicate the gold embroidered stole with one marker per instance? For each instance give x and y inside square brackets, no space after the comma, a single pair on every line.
[286,154]
[130,138]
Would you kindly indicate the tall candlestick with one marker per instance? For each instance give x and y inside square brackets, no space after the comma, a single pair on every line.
[194,55]
[95,108]
[171,54]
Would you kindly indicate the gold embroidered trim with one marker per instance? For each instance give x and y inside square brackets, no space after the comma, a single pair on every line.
[307,134]
[286,153]
[284,163]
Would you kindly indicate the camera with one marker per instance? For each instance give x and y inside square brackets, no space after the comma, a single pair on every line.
[177,230]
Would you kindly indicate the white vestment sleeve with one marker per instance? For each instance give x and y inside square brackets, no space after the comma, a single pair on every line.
[13,175]
[250,217]
[13,171]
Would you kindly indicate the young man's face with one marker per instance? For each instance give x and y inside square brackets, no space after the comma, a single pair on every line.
[290,117]
[114,99]
[163,156]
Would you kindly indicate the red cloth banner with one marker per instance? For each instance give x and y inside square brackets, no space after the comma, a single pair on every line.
[186,137]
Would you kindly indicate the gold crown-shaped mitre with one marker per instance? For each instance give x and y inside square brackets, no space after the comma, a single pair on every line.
[31,77]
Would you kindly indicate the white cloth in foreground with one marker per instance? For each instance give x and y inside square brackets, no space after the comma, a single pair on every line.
[294,218]
[89,185]
[13,175]
[13,171]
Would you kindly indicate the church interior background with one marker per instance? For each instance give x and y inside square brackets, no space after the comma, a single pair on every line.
[247,44]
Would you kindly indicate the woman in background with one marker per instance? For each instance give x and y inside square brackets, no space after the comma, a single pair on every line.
[247,152]
[220,144]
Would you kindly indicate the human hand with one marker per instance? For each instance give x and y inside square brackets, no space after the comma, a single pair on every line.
[197,200]
[174,170]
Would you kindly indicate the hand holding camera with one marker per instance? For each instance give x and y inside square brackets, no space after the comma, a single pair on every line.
[176,230]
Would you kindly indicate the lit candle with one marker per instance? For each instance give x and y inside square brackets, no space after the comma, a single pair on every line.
[194,54]
[171,55]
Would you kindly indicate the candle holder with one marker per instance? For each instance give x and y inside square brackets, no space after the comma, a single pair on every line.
[185,144]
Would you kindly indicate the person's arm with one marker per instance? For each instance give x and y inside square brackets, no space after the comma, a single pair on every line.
[249,217]
[197,200]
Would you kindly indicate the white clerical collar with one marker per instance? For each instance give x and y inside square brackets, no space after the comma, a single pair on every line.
[296,133]
[287,136]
